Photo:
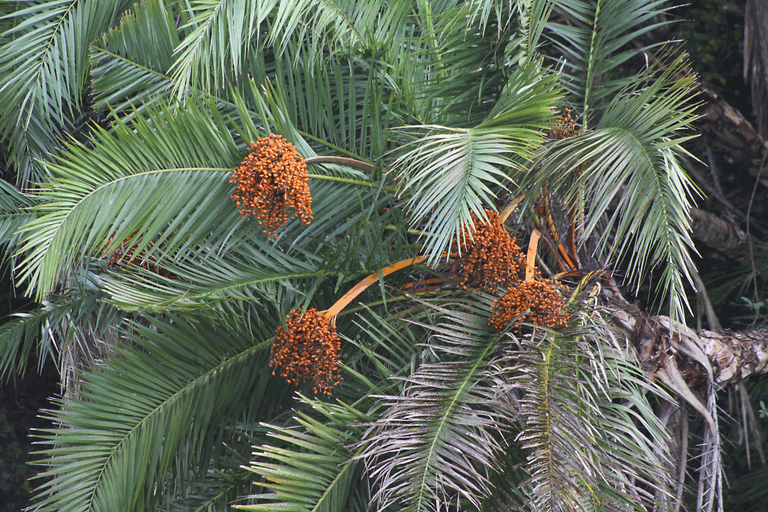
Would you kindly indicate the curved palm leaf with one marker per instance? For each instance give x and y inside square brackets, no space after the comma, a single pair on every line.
[245,274]
[588,427]
[129,63]
[43,65]
[14,212]
[453,172]
[173,180]
[39,330]
[591,36]
[635,143]
[437,439]
[175,389]
[309,467]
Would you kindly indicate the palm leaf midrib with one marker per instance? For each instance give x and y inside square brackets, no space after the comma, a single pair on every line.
[466,383]
[165,403]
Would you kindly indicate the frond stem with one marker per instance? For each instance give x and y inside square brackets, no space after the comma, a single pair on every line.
[340,160]
[351,182]
[360,287]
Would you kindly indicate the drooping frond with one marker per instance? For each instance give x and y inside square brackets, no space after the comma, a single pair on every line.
[49,329]
[451,173]
[590,433]
[247,273]
[635,146]
[310,467]
[129,64]
[14,212]
[43,68]
[171,181]
[437,441]
[168,396]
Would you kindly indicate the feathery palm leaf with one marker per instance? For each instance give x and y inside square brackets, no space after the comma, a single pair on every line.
[451,173]
[178,386]
[437,439]
[173,180]
[591,37]
[129,63]
[14,212]
[588,427]
[43,65]
[635,143]
[38,330]
[245,274]
[310,467]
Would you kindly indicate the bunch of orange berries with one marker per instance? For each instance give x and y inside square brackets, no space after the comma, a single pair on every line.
[540,298]
[272,184]
[125,254]
[565,127]
[489,257]
[307,350]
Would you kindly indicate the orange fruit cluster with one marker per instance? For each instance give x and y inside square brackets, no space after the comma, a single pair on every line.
[489,259]
[540,297]
[272,184]
[307,350]
[565,127]
[127,255]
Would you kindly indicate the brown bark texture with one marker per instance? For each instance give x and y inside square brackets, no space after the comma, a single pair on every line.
[721,122]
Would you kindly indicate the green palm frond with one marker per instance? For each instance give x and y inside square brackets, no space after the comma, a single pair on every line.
[388,347]
[49,329]
[309,467]
[451,173]
[247,273]
[588,427]
[437,441]
[43,65]
[592,37]
[129,63]
[139,177]
[168,395]
[635,144]
[218,33]
[461,86]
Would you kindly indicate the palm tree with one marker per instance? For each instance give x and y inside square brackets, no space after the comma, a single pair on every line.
[337,317]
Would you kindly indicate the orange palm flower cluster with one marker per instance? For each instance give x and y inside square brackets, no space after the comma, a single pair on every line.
[490,258]
[308,350]
[272,184]
[126,255]
[540,297]
[565,126]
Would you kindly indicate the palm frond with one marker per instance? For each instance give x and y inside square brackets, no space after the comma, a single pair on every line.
[636,144]
[590,432]
[437,441]
[169,394]
[14,212]
[592,36]
[171,181]
[43,65]
[248,273]
[129,64]
[217,34]
[451,173]
[309,467]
